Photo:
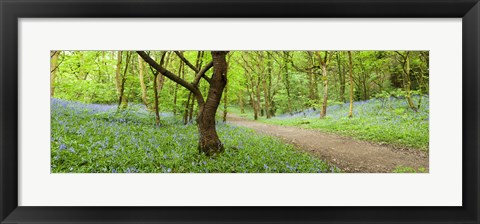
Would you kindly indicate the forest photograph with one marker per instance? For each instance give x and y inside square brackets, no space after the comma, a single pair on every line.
[237,111]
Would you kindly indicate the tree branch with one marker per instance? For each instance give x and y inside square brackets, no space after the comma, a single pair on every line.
[167,73]
[180,55]
[201,74]
[194,68]
[58,64]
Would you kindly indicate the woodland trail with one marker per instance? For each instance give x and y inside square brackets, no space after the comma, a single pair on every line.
[350,155]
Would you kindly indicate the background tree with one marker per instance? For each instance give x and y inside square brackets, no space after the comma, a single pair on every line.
[53,70]
[350,63]
[324,63]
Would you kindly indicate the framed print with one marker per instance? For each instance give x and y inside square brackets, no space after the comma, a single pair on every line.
[248,112]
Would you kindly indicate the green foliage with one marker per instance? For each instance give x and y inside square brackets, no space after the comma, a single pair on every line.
[99,139]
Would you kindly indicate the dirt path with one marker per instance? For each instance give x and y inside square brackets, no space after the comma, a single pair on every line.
[350,155]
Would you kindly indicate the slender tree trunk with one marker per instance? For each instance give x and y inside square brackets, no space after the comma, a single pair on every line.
[199,64]
[83,74]
[240,99]
[158,80]
[118,79]
[365,88]
[225,98]
[122,101]
[190,113]
[350,112]
[251,93]
[187,105]
[190,100]
[269,87]
[142,81]
[287,82]
[407,82]
[312,87]
[209,143]
[341,77]
[117,72]
[265,95]
[364,78]
[53,71]
[175,93]
[323,113]
[324,63]
[257,94]
[155,92]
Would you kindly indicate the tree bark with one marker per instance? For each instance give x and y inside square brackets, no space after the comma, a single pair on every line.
[257,94]
[324,62]
[287,81]
[83,74]
[323,113]
[407,82]
[155,92]
[341,77]
[350,111]
[240,99]
[175,93]
[209,143]
[53,71]
[117,71]
[265,88]
[225,97]
[118,79]
[187,104]
[122,101]
[158,80]
[142,81]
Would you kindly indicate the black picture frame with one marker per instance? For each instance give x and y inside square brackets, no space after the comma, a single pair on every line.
[12,10]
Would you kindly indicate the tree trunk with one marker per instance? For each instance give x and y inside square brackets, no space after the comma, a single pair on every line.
[175,93]
[83,74]
[209,143]
[142,81]
[287,82]
[265,95]
[158,80]
[323,113]
[311,88]
[350,112]
[190,100]
[225,98]
[122,101]
[257,94]
[118,78]
[187,105]
[240,99]
[341,77]
[251,93]
[155,92]
[190,113]
[407,82]
[53,71]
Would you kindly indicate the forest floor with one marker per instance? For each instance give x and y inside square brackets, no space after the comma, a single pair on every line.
[348,154]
